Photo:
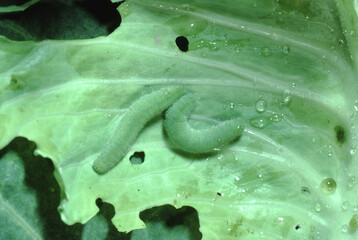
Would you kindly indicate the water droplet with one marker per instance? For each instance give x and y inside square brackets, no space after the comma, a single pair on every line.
[317,207]
[266,52]
[229,105]
[285,49]
[328,185]
[260,122]
[260,105]
[345,205]
[351,181]
[344,228]
[279,220]
[356,105]
[286,97]
[232,105]
[213,200]
[353,223]
[276,117]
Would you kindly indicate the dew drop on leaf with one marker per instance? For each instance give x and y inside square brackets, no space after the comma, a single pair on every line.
[353,150]
[351,182]
[232,105]
[266,52]
[260,105]
[260,122]
[345,228]
[317,207]
[328,185]
[285,49]
[276,117]
[345,205]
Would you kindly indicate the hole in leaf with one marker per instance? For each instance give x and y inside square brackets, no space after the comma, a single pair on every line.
[182,43]
[137,158]
[99,202]
[100,226]
[168,220]
[61,20]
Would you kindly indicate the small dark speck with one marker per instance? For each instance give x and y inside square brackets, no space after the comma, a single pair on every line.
[340,134]
[138,190]
[305,190]
[298,226]
[219,194]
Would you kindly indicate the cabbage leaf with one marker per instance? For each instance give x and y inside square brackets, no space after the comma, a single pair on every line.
[287,68]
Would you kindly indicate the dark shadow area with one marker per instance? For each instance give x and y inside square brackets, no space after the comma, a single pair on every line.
[107,210]
[61,20]
[39,177]
[5,3]
[185,217]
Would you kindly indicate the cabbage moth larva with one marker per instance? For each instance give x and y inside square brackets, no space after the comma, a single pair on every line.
[197,140]
[138,114]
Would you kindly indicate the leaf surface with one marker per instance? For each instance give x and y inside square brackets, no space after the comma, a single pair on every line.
[288,68]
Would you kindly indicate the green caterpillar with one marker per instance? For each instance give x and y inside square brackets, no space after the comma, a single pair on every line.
[197,140]
[133,121]
[179,132]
